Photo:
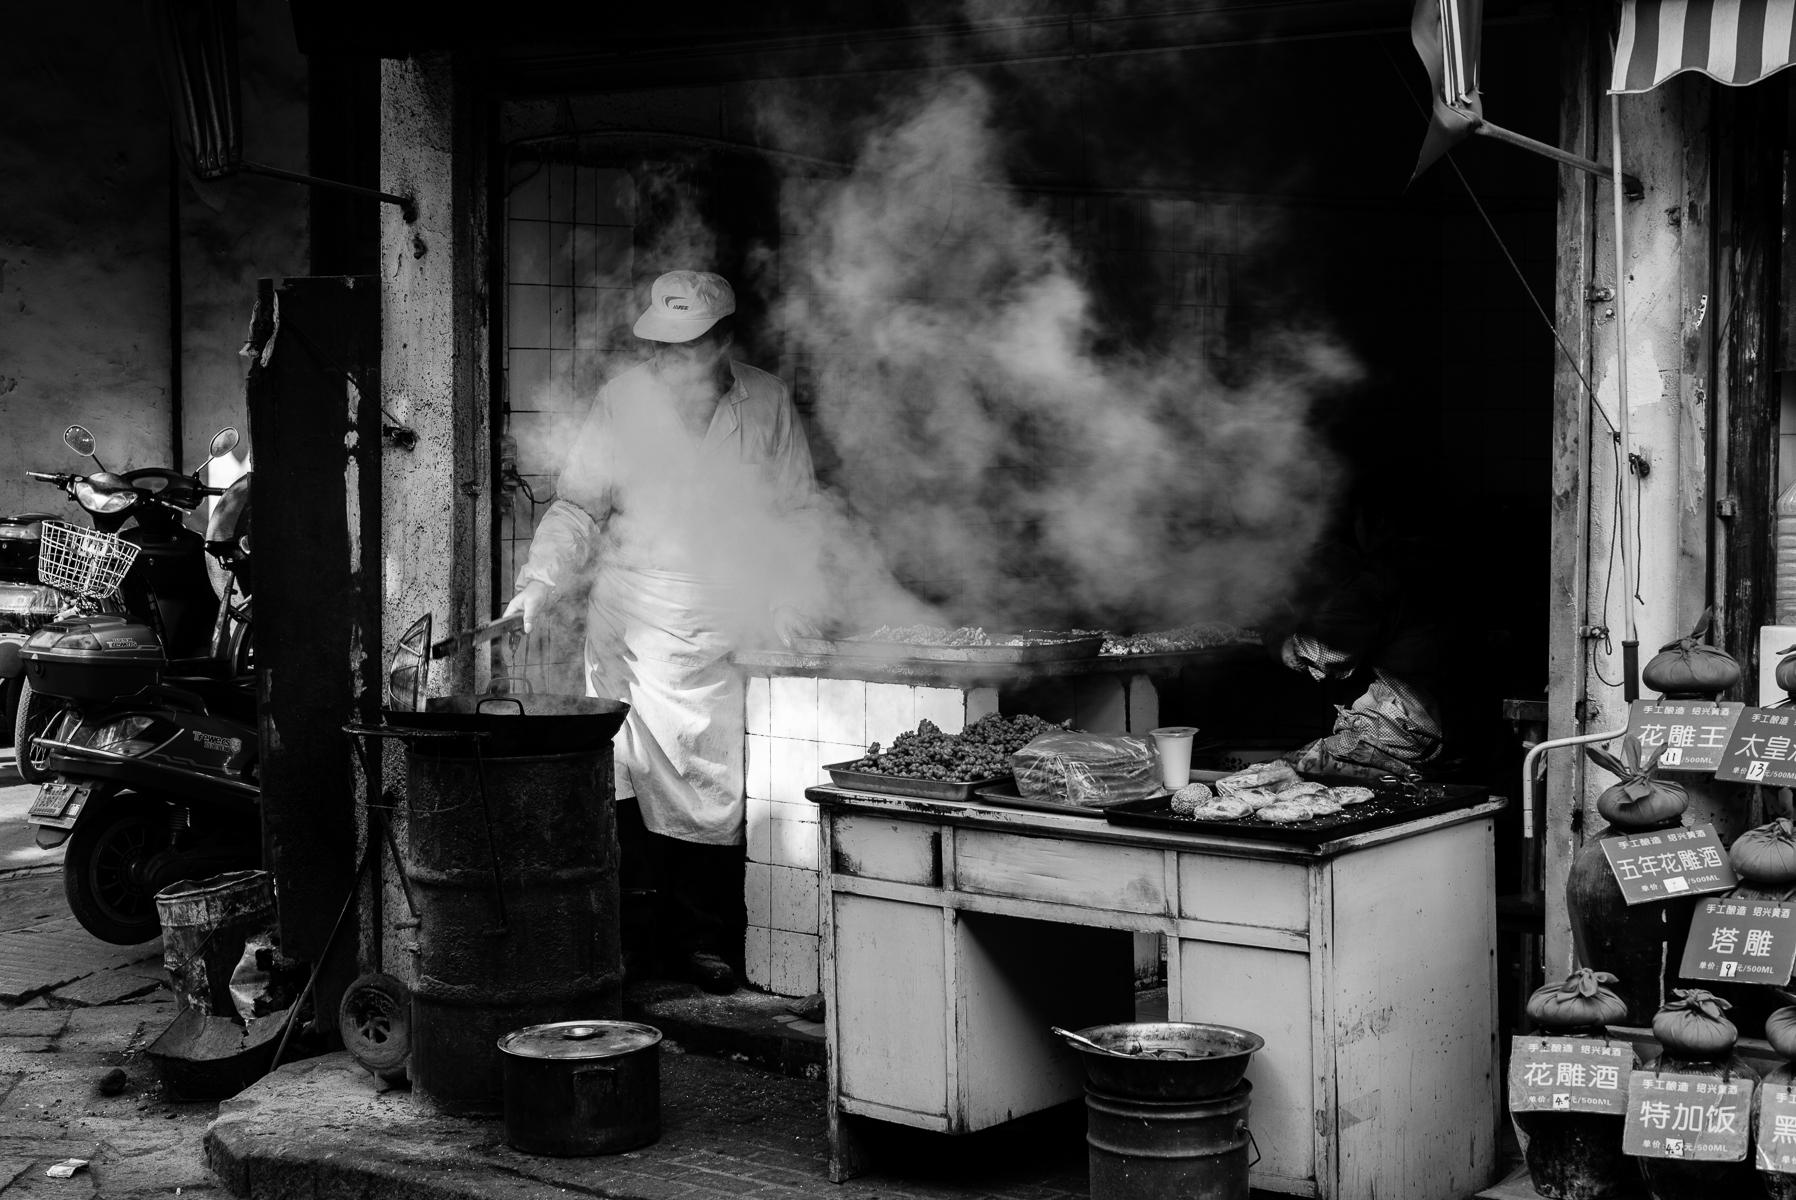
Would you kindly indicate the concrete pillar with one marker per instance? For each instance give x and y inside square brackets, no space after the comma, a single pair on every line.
[436,507]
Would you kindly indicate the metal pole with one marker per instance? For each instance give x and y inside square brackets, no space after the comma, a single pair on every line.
[407,208]
[1630,642]
[1632,185]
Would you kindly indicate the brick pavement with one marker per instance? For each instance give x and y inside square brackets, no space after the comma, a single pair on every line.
[322,1128]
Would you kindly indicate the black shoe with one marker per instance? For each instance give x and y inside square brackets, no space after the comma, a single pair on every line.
[710,972]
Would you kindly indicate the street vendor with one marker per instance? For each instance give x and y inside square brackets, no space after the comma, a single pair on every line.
[677,503]
[1362,635]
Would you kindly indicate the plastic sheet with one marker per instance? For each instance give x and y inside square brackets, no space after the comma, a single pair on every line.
[1086,768]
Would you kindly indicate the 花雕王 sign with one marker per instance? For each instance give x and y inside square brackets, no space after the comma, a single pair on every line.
[1691,735]
[1669,863]
[1695,1117]
[1561,1074]
[1748,941]
[1762,748]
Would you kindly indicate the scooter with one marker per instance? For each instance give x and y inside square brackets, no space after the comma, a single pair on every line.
[25,604]
[168,586]
[154,760]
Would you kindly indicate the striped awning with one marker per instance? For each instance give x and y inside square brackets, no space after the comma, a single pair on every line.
[1735,42]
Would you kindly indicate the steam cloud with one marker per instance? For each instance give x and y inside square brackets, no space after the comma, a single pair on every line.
[994,453]
[997,457]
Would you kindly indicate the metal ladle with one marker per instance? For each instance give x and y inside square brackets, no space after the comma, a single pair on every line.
[1086,1042]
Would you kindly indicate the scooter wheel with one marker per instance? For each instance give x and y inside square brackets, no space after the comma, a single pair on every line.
[375,1022]
[104,868]
[35,712]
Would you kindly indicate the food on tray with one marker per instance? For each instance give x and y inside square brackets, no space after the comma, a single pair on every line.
[1254,798]
[965,636]
[1351,795]
[1190,796]
[1200,636]
[980,751]
[1221,808]
[1321,805]
[1287,813]
[1086,768]
[1273,775]
[1296,791]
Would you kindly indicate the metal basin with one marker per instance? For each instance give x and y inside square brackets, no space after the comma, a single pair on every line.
[1168,1060]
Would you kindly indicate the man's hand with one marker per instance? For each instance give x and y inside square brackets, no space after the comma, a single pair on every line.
[529,601]
[789,623]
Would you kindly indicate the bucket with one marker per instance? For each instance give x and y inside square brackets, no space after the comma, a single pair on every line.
[204,926]
[1168,1150]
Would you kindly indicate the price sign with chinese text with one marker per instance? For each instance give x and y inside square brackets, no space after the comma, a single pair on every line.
[1762,748]
[1749,941]
[1668,863]
[1695,1117]
[1690,735]
[1567,1074]
[1777,1128]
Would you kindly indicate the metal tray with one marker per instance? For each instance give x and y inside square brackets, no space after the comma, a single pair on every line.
[1053,648]
[904,785]
[1006,795]
[1387,807]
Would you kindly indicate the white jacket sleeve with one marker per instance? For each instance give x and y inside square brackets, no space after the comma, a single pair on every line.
[560,546]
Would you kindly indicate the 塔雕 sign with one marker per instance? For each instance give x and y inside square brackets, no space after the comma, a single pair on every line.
[1669,863]
[1749,941]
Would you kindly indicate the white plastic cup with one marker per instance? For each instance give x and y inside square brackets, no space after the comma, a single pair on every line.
[1173,744]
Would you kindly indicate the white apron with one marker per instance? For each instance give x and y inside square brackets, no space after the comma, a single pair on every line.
[661,641]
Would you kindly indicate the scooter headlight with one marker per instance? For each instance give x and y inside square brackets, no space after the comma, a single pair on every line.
[96,501]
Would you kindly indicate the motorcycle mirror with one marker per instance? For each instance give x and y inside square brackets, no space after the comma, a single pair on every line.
[80,439]
[223,442]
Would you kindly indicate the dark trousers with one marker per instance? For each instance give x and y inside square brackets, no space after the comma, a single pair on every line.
[679,898]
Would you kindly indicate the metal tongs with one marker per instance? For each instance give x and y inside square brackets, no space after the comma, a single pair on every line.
[468,639]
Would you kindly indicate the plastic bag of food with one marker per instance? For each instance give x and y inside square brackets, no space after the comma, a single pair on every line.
[1085,768]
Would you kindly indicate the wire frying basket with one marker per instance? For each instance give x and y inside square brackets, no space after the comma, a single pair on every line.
[84,561]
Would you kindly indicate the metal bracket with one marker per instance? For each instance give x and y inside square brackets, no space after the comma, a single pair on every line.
[1727,508]
[1598,295]
[1593,632]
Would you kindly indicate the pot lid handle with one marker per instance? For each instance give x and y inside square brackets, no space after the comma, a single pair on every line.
[581,1033]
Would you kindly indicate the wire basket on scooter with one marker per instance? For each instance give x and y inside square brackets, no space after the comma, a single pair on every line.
[84,561]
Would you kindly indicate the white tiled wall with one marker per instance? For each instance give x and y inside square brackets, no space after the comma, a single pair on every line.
[796,725]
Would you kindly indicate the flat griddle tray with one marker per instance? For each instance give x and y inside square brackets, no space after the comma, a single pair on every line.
[903,785]
[1045,647]
[1387,807]
[1005,793]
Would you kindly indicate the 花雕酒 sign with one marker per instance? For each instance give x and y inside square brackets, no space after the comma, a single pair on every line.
[1693,733]
[1695,1117]
[1749,941]
[1561,1074]
[1762,748]
[1668,863]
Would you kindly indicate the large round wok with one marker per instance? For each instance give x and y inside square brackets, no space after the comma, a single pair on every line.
[510,725]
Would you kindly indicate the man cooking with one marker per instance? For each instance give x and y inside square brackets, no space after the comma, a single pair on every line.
[680,499]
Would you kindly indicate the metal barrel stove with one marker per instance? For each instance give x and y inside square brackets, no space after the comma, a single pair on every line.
[512,858]
[1167,1150]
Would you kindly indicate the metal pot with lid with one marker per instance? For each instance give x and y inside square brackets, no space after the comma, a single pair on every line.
[582,1087]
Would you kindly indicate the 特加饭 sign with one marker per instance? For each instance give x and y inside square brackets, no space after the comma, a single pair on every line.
[1689,734]
[1563,1074]
[1762,748]
[1777,1128]
[1748,941]
[1696,1117]
[1668,863]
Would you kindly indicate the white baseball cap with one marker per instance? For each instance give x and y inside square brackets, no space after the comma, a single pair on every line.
[683,305]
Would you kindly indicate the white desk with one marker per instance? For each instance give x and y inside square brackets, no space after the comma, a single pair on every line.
[954,935]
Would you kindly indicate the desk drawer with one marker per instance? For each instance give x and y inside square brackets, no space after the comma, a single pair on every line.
[876,848]
[1091,874]
[1244,891]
